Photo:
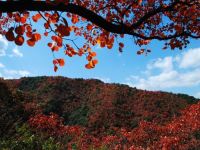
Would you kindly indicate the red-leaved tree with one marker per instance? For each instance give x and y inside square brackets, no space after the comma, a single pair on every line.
[102,22]
[182,133]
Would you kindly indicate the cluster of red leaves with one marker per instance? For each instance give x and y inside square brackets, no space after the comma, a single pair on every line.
[18,33]
[4,23]
[178,134]
[60,62]
[51,124]
[182,17]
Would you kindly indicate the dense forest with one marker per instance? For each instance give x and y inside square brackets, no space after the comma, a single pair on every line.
[55,113]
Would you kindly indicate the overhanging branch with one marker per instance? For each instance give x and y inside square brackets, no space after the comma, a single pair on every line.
[13,6]
[17,6]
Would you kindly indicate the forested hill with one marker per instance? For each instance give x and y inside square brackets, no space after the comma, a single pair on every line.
[93,103]
[99,107]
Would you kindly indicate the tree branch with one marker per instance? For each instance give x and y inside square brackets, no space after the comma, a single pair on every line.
[13,6]
[17,6]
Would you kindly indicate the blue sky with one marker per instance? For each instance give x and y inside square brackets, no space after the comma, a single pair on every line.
[173,71]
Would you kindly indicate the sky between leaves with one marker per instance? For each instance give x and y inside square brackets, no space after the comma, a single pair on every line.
[173,71]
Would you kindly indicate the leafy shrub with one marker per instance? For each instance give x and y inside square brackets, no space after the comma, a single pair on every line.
[26,140]
[49,144]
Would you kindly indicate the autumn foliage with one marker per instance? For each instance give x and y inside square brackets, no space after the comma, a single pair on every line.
[182,132]
[102,23]
[88,114]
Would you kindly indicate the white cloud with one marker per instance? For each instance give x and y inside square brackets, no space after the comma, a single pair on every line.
[16,72]
[170,72]
[197,95]
[3,46]
[13,74]
[165,80]
[165,64]
[190,59]
[16,53]
[4,71]
[2,65]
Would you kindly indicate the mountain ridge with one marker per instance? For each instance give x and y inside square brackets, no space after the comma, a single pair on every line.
[42,107]
[89,102]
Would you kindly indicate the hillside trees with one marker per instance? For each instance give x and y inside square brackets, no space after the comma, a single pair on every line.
[88,119]
[181,133]
[99,22]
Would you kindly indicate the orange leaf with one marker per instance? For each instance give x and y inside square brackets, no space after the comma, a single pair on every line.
[20,30]
[95,61]
[75,19]
[23,20]
[46,25]
[54,38]
[55,48]
[63,30]
[45,33]
[29,34]
[93,54]
[30,42]
[50,44]
[110,46]
[55,61]
[88,66]
[89,27]
[17,17]
[36,17]
[29,28]
[139,2]
[121,45]
[36,36]
[89,57]
[91,64]
[61,62]
[19,40]
[47,15]
[10,35]
[55,68]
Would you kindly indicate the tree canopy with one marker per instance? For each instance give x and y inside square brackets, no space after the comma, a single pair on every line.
[101,23]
